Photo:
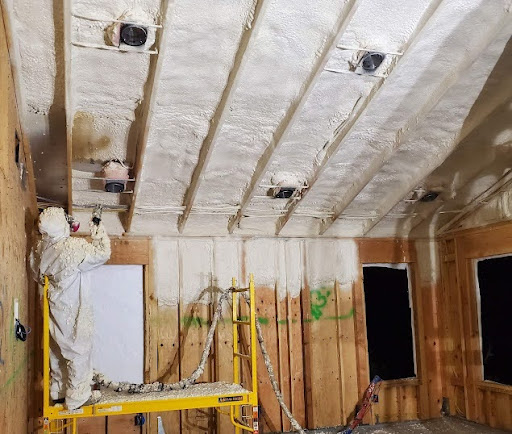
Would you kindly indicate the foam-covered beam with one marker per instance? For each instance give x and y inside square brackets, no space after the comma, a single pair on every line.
[294,111]
[436,159]
[222,110]
[501,165]
[358,112]
[413,121]
[155,68]
[502,184]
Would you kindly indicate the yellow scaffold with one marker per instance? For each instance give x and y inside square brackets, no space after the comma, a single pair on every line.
[210,395]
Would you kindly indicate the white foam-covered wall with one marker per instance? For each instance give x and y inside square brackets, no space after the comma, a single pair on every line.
[186,268]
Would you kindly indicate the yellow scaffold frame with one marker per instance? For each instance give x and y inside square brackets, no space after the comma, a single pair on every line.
[56,417]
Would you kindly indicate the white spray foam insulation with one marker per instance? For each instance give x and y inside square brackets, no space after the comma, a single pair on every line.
[207,224]
[167,271]
[226,262]
[497,209]
[106,87]
[108,84]
[330,104]
[335,95]
[261,259]
[331,260]
[434,140]
[447,40]
[288,43]
[383,24]
[154,224]
[200,44]
[281,285]
[294,264]
[275,263]
[299,227]
[477,163]
[196,256]
[349,265]
[33,36]
[427,256]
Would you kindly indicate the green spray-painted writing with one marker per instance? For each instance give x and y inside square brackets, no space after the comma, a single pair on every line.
[319,298]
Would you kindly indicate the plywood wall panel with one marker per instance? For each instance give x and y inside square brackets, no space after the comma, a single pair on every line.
[19,403]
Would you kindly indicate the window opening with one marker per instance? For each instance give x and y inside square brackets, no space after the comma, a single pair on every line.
[494,296]
[389,324]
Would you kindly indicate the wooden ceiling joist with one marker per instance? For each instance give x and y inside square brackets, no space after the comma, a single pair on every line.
[452,205]
[294,111]
[349,124]
[222,110]
[480,117]
[155,68]
[499,186]
[415,120]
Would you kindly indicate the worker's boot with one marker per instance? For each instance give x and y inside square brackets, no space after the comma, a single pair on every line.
[95,398]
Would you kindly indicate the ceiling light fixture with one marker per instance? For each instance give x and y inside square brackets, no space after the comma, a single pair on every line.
[134,35]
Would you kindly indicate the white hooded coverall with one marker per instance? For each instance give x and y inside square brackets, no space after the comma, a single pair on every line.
[66,261]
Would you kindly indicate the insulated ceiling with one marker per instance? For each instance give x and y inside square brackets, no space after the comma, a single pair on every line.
[228,100]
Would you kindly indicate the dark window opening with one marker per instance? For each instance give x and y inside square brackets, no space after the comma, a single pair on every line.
[388,323]
[495,306]
[17,148]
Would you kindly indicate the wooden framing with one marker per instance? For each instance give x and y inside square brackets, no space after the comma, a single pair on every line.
[218,118]
[482,401]
[339,138]
[144,120]
[294,111]
[311,354]
[19,399]
[408,128]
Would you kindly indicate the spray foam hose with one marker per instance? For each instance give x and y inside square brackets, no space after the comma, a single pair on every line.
[101,380]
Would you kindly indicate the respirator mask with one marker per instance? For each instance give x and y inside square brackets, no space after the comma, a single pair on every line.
[73,224]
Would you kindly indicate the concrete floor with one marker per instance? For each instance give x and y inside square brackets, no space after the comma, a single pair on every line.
[444,425]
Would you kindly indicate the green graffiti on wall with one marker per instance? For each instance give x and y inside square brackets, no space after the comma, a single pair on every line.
[319,300]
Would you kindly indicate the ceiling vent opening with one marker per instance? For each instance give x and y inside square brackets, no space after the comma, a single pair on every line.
[372,60]
[284,192]
[285,185]
[116,176]
[429,196]
[134,35]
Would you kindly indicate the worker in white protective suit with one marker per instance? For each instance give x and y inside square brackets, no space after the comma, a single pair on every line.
[66,261]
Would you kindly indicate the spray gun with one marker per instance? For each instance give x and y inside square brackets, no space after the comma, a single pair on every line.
[96,214]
